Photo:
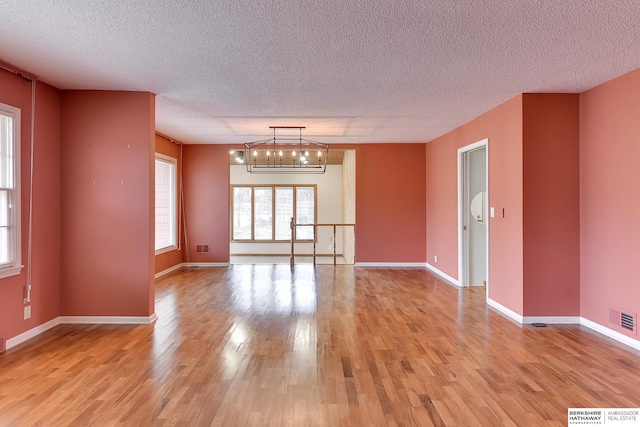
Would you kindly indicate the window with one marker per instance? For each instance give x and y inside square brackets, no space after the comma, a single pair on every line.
[262,213]
[10,258]
[166,208]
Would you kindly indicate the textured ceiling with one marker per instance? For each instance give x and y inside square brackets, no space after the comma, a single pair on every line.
[350,71]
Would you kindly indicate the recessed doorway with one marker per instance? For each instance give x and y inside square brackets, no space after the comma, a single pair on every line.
[473,215]
[261,207]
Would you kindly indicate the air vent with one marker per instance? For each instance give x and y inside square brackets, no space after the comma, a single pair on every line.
[202,248]
[627,321]
[623,320]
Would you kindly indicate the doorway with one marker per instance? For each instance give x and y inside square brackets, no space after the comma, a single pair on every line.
[273,198]
[473,218]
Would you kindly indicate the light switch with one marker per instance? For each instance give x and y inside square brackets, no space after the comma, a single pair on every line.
[493,212]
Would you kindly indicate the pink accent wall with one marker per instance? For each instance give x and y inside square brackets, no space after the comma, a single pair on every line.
[609,198]
[206,196]
[45,304]
[503,126]
[108,203]
[170,259]
[551,216]
[533,179]
[390,203]
[442,204]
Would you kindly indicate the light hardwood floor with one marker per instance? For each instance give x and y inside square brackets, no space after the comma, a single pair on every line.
[263,345]
[279,259]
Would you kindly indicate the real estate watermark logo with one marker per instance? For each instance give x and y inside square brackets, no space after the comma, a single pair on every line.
[603,416]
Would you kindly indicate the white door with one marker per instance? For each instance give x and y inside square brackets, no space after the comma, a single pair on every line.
[473,213]
[477,218]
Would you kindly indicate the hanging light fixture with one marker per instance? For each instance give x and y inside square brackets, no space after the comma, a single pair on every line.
[285,154]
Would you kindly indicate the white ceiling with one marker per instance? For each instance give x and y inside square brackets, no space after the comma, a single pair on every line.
[350,71]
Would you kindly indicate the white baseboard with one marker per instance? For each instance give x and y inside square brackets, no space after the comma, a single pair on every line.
[79,320]
[624,339]
[107,320]
[504,310]
[31,333]
[566,320]
[169,270]
[527,320]
[552,320]
[391,264]
[190,264]
[205,264]
[443,275]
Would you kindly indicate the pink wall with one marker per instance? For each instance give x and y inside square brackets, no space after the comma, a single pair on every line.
[609,202]
[206,196]
[107,203]
[170,259]
[45,304]
[442,204]
[551,216]
[503,126]
[390,203]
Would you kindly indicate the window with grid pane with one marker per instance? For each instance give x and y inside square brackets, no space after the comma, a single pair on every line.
[166,207]
[263,212]
[305,212]
[10,261]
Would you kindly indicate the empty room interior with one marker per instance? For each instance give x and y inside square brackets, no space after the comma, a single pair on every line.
[318,213]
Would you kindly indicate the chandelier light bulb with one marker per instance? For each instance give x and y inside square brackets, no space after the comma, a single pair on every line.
[284,157]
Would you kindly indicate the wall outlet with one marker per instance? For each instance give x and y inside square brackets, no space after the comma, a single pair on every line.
[435,258]
[27,312]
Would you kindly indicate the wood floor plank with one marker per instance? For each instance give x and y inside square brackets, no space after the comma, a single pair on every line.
[265,345]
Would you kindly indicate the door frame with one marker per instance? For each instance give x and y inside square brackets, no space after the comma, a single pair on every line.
[463,274]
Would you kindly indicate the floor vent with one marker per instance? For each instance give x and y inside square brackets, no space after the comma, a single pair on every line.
[627,321]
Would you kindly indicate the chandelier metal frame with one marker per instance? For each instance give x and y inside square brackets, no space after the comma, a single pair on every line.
[286,154]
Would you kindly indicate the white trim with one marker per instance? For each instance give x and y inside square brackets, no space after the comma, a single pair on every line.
[617,336]
[108,320]
[566,320]
[173,208]
[81,320]
[443,275]
[166,249]
[479,144]
[168,270]
[190,265]
[504,310]
[552,320]
[31,333]
[205,264]
[391,264]
[14,267]
[10,271]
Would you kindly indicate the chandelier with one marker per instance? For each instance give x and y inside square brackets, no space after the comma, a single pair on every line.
[284,154]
